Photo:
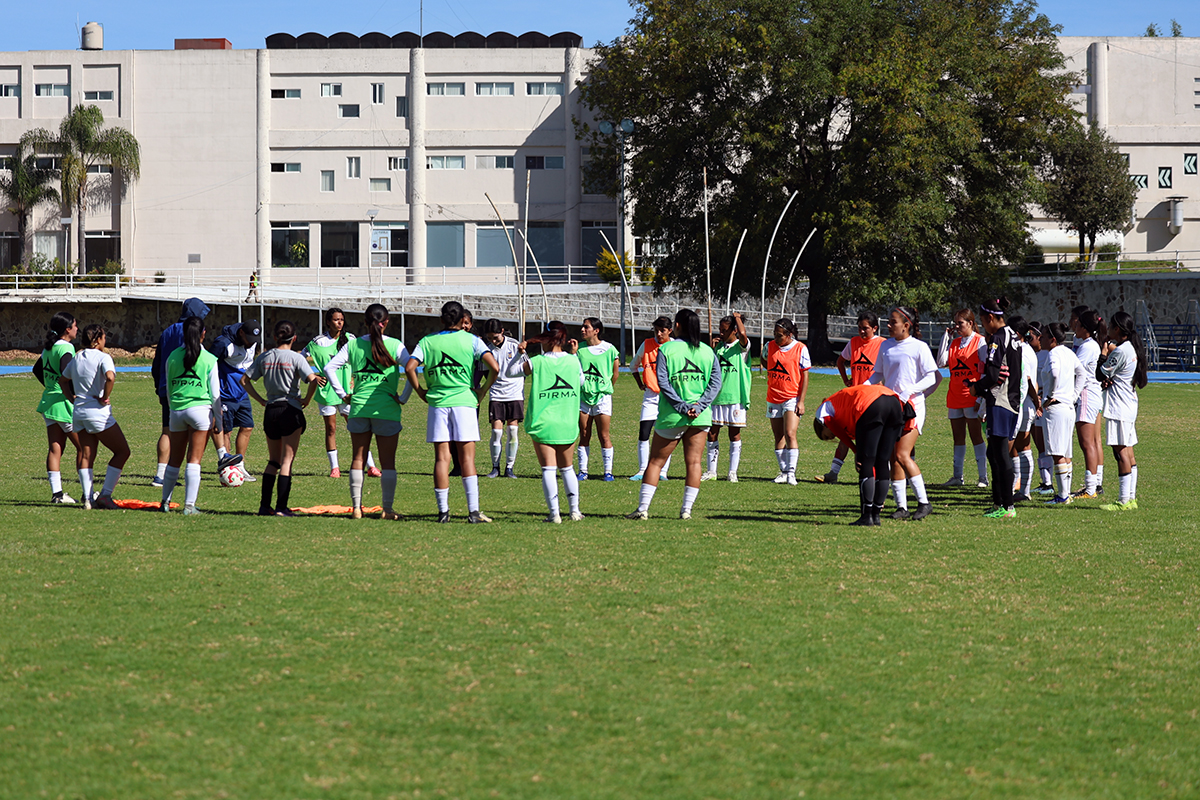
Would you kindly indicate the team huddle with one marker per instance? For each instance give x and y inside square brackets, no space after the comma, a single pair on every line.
[1019,381]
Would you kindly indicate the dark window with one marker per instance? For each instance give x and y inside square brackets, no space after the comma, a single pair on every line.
[276,166]
[402,106]
[277,94]
[339,244]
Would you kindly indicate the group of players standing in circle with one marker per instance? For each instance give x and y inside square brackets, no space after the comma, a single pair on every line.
[1016,377]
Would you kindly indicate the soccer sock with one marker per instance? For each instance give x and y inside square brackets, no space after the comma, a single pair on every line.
[443,500]
[356,484]
[285,492]
[881,490]
[960,456]
[471,487]
[510,452]
[981,462]
[780,458]
[666,466]
[1100,475]
[162,470]
[1045,462]
[1126,487]
[584,456]
[550,490]
[900,494]
[55,481]
[221,452]
[607,454]
[496,444]
[370,461]
[333,458]
[1089,481]
[643,456]
[793,455]
[1062,480]
[646,495]
[866,492]
[268,490]
[918,484]
[1133,484]
[110,481]
[735,456]
[85,482]
[689,498]
[191,484]
[1016,468]
[714,455]
[571,484]
[835,467]
[170,478]
[387,486]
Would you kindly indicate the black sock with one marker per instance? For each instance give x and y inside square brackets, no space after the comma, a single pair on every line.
[268,488]
[285,489]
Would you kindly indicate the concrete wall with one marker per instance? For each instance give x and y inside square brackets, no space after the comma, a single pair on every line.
[1166,296]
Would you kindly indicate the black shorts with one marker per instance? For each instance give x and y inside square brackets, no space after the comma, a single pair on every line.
[509,411]
[283,419]
[166,411]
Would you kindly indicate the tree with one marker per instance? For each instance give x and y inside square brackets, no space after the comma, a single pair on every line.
[1088,188]
[82,141]
[24,188]
[911,130]
[1152,31]
[1176,28]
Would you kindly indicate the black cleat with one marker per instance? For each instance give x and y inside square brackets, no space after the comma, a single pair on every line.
[902,514]
[923,511]
[443,516]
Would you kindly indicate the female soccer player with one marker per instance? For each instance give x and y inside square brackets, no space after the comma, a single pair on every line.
[601,366]
[453,420]
[506,400]
[319,351]
[89,378]
[689,377]
[374,361]
[729,409]
[1003,389]
[786,363]
[1089,324]
[281,370]
[859,355]
[1121,373]
[1045,462]
[194,397]
[874,417]
[645,372]
[1022,454]
[54,407]
[1061,381]
[553,422]
[962,351]
[906,366]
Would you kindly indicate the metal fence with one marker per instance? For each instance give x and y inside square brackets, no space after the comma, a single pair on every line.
[1069,264]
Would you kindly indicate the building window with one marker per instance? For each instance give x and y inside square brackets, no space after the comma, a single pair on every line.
[543,87]
[602,183]
[102,247]
[10,90]
[593,241]
[446,89]
[446,162]
[494,162]
[51,90]
[377,93]
[494,89]
[381,184]
[8,250]
[47,162]
[280,94]
[339,244]
[6,162]
[491,245]
[402,105]
[289,244]
[285,166]
[326,180]
[543,162]
[548,243]
[444,244]
[397,163]
[98,95]
[348,111]
[389,244]
[1141,181]
[100,169]
[331,90]
[353,167]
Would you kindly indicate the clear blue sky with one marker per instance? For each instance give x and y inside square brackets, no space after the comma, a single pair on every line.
[145,25]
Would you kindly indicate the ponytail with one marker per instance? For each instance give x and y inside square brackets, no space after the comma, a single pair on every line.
[377,318]
[193,341]
[1091,321]
[452,314]
[90,335]
[58,326]
[1124,323]
[285,332]
[1057,331]
[555,335]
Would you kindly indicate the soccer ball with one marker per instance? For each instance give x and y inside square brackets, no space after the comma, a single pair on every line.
[232,476]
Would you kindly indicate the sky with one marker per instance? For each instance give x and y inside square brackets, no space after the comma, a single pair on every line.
[145,25]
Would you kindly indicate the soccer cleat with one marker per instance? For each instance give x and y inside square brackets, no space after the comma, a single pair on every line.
[576,516]
[477,517]
[389,514]
[781,477]
[157,482]
[708,476]
[246,476]
[685,515]
[1044,489]
[165,508]
[356,512]
[791,478]
[923,511]
[553,519]
[227,460]
[637,477]
[635,514]
[1132,504]
[375,472]
[106,502]
[495,473]
[62,499]
[902,514]
[508,473]
[1099,489]
[443,517]
[266,511]
[1128,505]
[828,477]
[1022,498]
[953,482]
[981,485]
[999,512]
[455,472]
[1060,501]
[583,476]
[87,503]
[1083,494]
[335,473]
[733,477]
[663,476]
[608,476]
[192,511]
[287,512]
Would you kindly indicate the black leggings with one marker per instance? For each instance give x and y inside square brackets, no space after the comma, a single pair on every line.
[1002,470]
[875,436]
[645,430]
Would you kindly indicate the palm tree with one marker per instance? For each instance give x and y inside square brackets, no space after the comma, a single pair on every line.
[82,141]
[24,188]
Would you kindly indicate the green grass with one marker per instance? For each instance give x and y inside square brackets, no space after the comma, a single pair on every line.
[764,649]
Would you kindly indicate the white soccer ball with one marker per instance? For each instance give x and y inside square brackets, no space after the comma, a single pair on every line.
[232,476]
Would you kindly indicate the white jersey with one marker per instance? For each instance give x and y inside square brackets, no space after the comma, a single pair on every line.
[1088,353]
[1030,366]
[1062,377]
[88,373]
[1120,398]
[507,388]
[908,368]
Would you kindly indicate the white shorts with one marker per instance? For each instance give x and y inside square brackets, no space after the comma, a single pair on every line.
[677,433]
[1060,429]
[777,410]
[649,405]
[601,409]
[455,424]
[1025,417]
[93,420]
[341,408]
[66,426]
[1088,406]
[196,418]
[970,412]
[1120,433]
[731,414]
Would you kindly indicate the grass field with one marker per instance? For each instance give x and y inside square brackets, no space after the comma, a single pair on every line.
[763,649]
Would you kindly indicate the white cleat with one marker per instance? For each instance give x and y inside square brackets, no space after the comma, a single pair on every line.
[553,519]
[576,516]
[781,477]
[708,476]
[791,478]
[733,477]
[685,515]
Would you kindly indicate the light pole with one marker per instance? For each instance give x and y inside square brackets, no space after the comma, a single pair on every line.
[372,213]
[66,226]
[623,128]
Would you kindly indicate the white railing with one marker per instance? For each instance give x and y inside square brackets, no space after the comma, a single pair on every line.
[1068,264]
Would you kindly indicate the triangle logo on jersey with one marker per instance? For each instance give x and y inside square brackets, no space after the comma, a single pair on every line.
[726,364]
[863,361]
[593,372]
[780,369]
[449,365]
[560,384]
[961,366]
[371,368]
[690,366]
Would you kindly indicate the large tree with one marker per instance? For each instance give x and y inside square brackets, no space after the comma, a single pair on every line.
[24,188]
[82,142]
[911,131]
[1088,186]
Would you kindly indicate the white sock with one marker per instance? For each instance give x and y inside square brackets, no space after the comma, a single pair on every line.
[510,452]
[981,461]
[1100,475]
[443,500]
[607,454]
[496,444]
[550,490]
[584,457]
[1026,471]
[85,482]
[471,487]
[370,461]
[222,452]
[162,469]
[1126,491]
[191,484]
[735,456]
[793,455]
[666,466]
[689,498]
[333,458]
[356,484]
[1016,465]
[1133,485]
[643,455]
[960,456]
[1089,481]
[387,485]
[1045,463]
[781,459]
[714,455]
[900,493]
[646,495]
[571,484]
[918,484]
[835,466]
[110,480]
[55,481]
[170,478]
[1062,480]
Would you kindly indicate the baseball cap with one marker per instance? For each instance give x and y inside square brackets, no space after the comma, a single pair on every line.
[251,329]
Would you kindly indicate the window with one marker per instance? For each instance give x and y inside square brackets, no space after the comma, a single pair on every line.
[446,162]
[494,89]
[6,162]
[593,240]
[444,244]
[381,184]
[282,166]
[494,162]
[290,94]
[289,244]
[594,181]
[47,162]
[8,250]
[447,89]
[98,95]
[353,167]
[402,105]
[377,93]
[348,111]
[326,180]
[51,90]
[546,240]
[339,244]
[10,90]
[331,90]
[543,87]
[100,169]
[389,244]
[543,162]
[102,247]
[397,163]
[491,246]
